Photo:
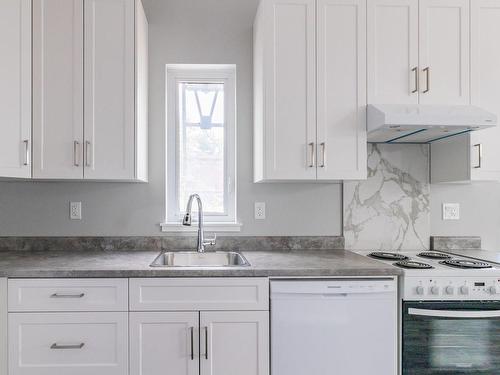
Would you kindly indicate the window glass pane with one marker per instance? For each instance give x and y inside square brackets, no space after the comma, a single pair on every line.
[201,145]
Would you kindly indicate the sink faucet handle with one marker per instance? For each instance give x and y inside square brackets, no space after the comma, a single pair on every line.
[211,241]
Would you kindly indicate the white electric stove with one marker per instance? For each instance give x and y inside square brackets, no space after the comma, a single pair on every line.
[450,312]
[436,275]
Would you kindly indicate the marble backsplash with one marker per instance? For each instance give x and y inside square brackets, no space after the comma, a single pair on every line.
[390,210]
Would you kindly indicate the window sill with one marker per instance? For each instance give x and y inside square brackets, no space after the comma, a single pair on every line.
[208,227]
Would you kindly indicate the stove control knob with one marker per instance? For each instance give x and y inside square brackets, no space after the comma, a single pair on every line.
[449,289]
[464,289]
[492,290]
[419,290]
[434,290]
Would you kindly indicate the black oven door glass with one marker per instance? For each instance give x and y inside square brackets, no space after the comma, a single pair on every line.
[451,338]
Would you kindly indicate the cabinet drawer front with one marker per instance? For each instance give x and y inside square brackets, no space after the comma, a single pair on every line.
[199,294]
[68,344]
[68,295]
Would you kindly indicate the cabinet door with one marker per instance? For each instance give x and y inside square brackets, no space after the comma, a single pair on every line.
[341,59]
[290,90]
[57,88]
[485,81]
[164,343]
[109,89]
[234,342]
[392,51]
[15,88]
[444,52]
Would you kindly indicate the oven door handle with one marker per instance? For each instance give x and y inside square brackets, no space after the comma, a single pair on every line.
[455,313]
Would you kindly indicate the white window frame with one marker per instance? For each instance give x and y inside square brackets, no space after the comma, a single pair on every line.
[176,74]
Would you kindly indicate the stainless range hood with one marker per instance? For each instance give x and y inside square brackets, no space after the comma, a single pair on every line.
[392,123]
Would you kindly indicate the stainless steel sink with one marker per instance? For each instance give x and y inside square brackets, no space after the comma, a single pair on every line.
[197,259]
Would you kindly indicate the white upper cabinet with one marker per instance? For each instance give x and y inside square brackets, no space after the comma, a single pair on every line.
[15,88]
[341,95]
[309,90]
[285,84]
[418,52]
[89,89]
[476,156]
[109,89]
[485,81]
[444,51]
[392,51]
[58,89]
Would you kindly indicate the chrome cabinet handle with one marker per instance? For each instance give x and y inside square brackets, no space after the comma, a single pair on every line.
[67,346]
[415,72]
[480,154]
[87,152]
[323,154]
[76,159]
[312,156]
[206,342]
[192,343]
[58,295]
[26,152]
[427,72]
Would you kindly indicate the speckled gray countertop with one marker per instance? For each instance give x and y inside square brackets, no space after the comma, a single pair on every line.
[291,263]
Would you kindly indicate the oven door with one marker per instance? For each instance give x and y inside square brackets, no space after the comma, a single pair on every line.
[451,338]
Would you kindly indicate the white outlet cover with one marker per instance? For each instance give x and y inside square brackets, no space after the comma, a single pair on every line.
[75,210]
[260,210]
[451,211]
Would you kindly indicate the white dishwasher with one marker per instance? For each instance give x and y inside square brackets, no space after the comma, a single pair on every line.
[334,327]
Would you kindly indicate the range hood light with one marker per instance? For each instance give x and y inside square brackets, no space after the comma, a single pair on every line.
[399,123]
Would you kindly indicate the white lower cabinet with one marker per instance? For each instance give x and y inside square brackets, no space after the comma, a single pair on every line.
[164,326]
[199,326]
[234,342]
[68,343]
[164,342]
[206,343]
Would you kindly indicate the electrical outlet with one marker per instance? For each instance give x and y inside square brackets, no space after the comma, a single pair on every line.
[260,210]
[75,210]
[451,211]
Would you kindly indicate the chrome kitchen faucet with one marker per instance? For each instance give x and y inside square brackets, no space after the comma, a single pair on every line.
[187,221]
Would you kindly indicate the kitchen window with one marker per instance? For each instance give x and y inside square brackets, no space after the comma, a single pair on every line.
[201,144]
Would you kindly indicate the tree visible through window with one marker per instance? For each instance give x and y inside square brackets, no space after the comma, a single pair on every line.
[201,140]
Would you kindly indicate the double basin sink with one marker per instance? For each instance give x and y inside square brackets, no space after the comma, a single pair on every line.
[197,259]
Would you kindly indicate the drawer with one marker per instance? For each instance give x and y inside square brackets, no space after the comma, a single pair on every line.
[199,294]
[68,343]
[68,295]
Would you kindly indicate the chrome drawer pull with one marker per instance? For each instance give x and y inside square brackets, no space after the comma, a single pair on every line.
[26,152]
[192,343]
[427,72]
[415,71]
[76,159]
[323,155]
[57,346]
[313,156]
[206,342]
[57,295]
[87,151]
[480,155]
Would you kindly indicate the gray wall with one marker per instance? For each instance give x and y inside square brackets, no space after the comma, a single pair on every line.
[479,212]
[181,31]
